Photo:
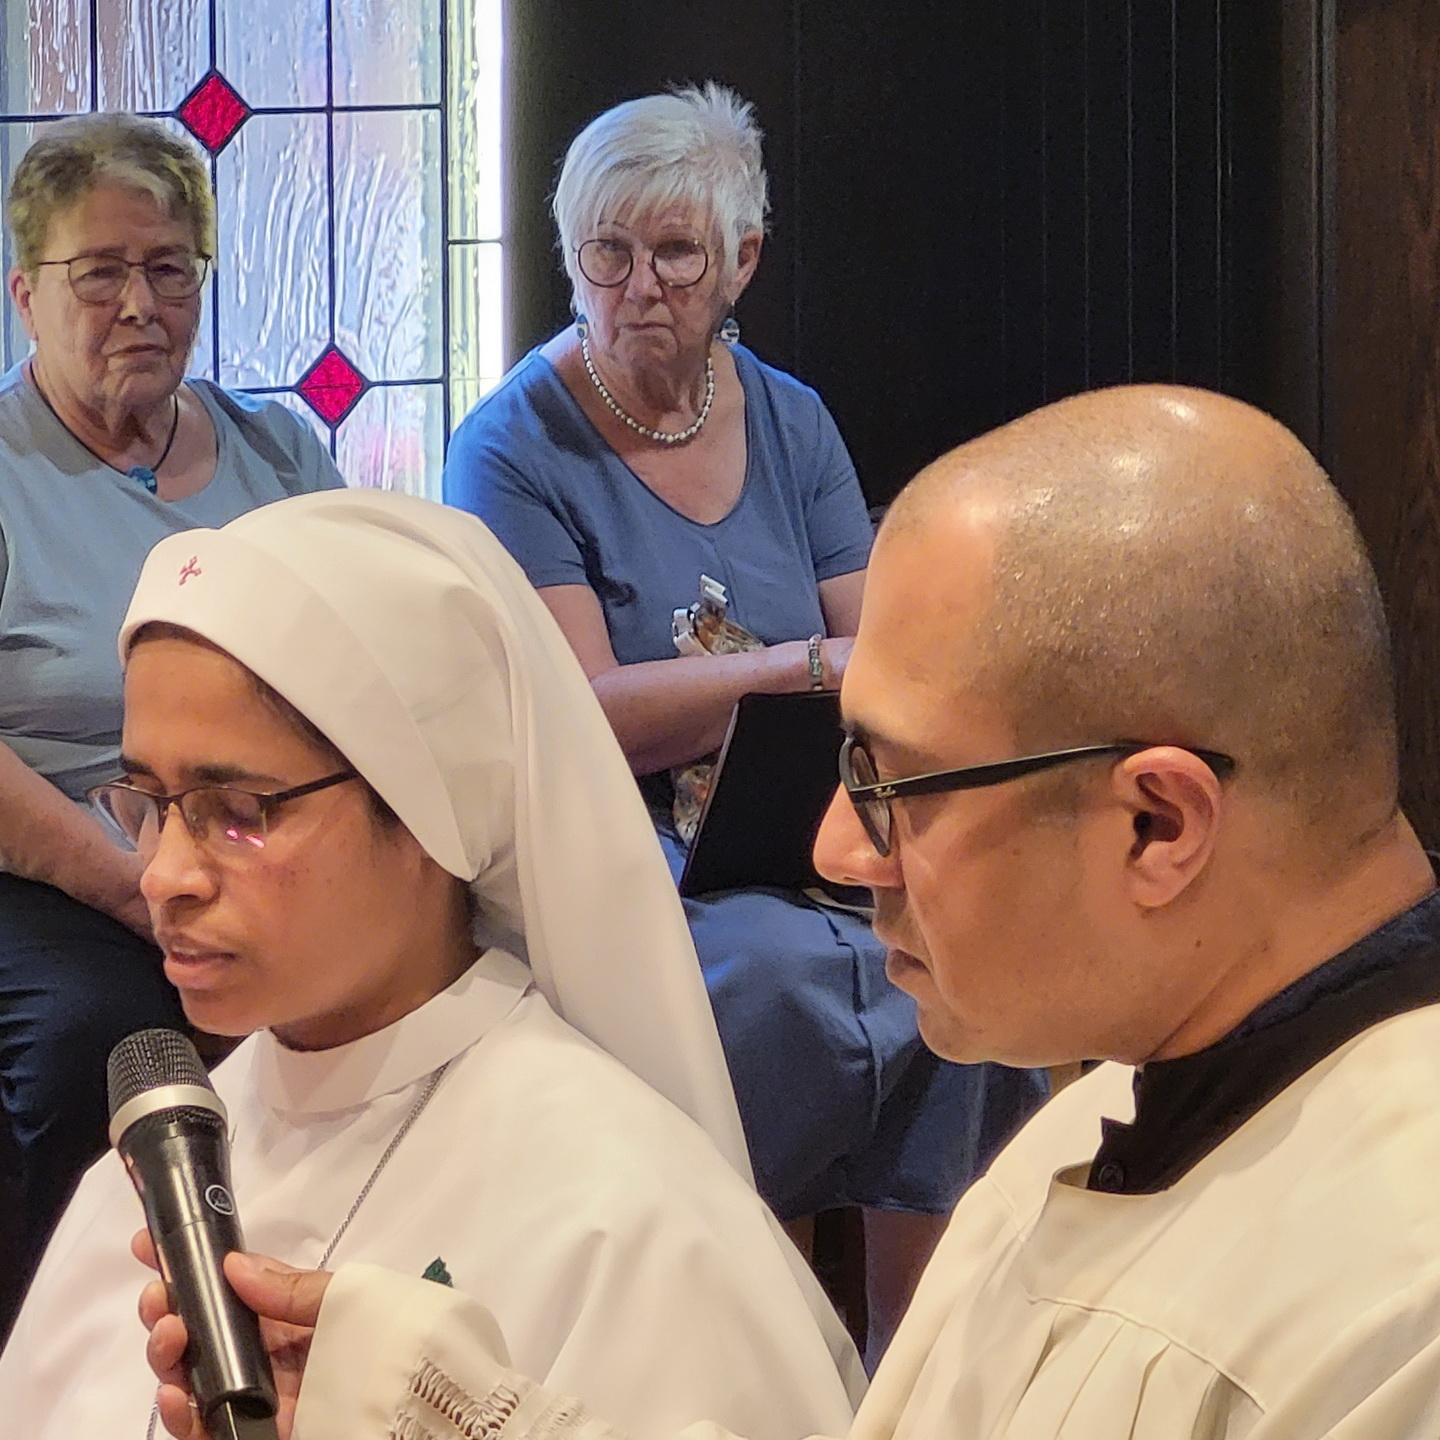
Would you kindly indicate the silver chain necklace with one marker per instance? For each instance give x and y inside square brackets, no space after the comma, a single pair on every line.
[663,437]
[432,1083]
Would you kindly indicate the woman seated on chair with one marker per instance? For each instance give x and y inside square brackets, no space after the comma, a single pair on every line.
[630,455]
[105,446]
[385,825]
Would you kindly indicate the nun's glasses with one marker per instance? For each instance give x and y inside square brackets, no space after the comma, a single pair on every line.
[220,817]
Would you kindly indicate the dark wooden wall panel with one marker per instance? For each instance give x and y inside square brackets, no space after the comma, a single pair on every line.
[1271,160]
[878,274]
[1151,196]
[1198,219]
[1060,220]
[1064,133]
[1108,79]
[1381,380]
[1023,206]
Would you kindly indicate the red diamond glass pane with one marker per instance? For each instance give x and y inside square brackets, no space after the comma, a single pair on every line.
[332,385]
[213,112]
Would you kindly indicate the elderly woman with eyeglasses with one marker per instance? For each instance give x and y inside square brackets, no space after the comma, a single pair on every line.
[105,448]
[635,452]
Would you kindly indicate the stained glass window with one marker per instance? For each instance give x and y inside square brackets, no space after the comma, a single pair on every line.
[355,154]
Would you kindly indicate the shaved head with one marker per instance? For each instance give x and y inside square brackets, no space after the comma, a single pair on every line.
[1172,565]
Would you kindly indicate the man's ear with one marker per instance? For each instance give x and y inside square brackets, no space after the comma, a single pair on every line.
[1175,801]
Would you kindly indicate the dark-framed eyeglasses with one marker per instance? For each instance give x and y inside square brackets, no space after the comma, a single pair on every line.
[871,796]
[607,262]
[100,279]
[224,818]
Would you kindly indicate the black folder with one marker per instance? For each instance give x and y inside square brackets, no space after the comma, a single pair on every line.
[776,774]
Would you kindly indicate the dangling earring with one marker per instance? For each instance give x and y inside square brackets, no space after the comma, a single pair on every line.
[582,326]
[730,329]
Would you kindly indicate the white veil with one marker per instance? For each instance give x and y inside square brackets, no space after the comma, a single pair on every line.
[406,633]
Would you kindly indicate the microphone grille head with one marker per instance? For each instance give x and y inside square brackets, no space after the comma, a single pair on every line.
[149,1059]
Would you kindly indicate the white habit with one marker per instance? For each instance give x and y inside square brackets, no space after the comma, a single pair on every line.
[626,1260]
[1286,1288]
[581,1166]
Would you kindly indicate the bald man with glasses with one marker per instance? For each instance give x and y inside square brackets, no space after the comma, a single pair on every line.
[1122,778]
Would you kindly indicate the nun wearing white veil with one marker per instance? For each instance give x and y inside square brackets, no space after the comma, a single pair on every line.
[388,831]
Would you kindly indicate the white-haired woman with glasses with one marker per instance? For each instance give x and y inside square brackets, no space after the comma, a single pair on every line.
[389,837]
[634,452]
[105,447]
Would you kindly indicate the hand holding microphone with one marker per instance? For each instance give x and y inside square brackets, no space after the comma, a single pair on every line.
[169,1127]
[288,1302]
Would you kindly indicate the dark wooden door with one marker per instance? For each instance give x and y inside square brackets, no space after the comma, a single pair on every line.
[1380,310]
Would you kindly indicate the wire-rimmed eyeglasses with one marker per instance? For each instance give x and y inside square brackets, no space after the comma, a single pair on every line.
[100,279]
[221,817]
[871,796]
[607,261]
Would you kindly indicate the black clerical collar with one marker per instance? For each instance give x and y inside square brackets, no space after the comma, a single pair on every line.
[1184,1108]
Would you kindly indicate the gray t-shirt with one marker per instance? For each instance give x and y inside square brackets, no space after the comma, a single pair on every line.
[73,535]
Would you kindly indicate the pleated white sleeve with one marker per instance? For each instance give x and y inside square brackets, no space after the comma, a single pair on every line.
[396,1358]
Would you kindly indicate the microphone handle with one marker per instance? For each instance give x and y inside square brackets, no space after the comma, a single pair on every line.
[183,1177]
[225,1342]
[227,1423]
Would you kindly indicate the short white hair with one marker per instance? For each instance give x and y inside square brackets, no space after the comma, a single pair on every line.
[697,147]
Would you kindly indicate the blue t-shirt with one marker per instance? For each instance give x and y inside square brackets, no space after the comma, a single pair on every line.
[73,535]
[528,461]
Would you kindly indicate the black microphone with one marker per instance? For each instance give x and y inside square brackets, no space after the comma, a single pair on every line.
[168,1124]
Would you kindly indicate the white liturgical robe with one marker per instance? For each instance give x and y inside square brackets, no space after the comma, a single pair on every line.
[1286,1288]
[625,1258]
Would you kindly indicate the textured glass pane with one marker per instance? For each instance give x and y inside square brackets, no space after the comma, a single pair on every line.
[273,51]
[476,308]
[473,102]
[388,243]
[44,56]
[273,271]
[387,53]
[394,440]
[153,53]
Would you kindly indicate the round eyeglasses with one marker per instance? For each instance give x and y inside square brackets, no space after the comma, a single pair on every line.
[608,262]
[871,796]
[100,279]
[221,817]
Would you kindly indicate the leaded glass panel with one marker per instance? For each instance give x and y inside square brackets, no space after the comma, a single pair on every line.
[45,64]
[272,274]
[389,243]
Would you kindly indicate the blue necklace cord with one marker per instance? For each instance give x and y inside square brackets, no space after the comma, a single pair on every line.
[142,474]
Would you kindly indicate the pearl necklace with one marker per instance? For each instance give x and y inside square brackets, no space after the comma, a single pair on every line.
[663,437]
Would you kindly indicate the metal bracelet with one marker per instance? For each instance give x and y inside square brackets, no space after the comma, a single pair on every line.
[817,669]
